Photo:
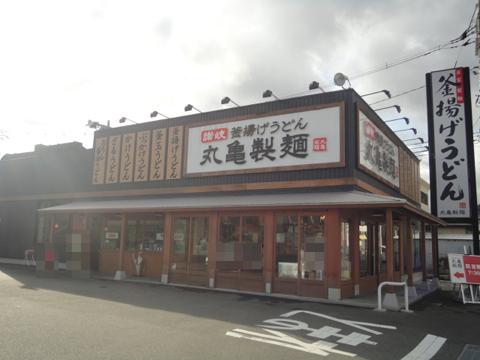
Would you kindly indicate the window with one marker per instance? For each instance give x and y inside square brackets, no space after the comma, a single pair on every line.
[240,246]
[346,265]
[313,244]
[43,229]
[111,232]
[396,247]
[286,247]
[180,243]
[417,260]
[382,248]
[145,233]
[199,255]
[424,198]
[363,235]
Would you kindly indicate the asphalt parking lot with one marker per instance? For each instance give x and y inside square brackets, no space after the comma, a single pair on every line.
[63,318]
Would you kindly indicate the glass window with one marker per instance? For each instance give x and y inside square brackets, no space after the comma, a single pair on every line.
[61,230]
[363,245]
[199,257]
[252,243]
[417,260]
[111,232]
[145,233]
[286,246]
[180,243]
[43,229]
[382,247]
[228,246]
[312,246]
[346,270]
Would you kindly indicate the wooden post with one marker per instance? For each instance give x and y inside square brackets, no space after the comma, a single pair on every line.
[123,236]
[212,249]
[167,247]
[333,254]
[355,236]
[268,246]
[435,250]
[423,257]
[402,239]
[389,243]
[409,252]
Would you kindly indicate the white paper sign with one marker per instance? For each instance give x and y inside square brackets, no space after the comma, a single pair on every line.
[295,139]
[457,270]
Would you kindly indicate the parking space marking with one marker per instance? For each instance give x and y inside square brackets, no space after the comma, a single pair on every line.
[426,349]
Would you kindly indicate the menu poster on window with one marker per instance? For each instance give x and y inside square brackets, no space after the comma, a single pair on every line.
[99,160]
[175,153]
[157,157]
[113,159]
[142,154]
[128,152]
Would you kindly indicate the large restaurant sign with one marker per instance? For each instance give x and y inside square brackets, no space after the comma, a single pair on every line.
[311,138]
[452,171]
[377,154]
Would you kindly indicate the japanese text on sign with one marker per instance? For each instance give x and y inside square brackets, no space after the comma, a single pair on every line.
[377,153]
[304,138]
[450,138]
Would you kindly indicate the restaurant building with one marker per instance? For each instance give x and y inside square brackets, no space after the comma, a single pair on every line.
[312,196]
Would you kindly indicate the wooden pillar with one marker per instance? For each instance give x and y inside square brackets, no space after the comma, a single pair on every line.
[167,247]
[268,250]
[402,239]
[409,250]
[212,249]
[435,250]
[423,256]
[355,236]
[389,243]
[333,254]
[123,237]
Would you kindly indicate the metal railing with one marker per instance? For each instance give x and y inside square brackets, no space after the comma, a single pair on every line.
[392,283]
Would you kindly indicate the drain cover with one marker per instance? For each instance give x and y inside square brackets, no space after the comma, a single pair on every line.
[470,352]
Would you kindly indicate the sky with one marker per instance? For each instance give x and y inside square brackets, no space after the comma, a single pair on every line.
[66,62]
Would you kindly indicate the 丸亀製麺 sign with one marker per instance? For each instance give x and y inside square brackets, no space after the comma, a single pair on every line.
[448,141]
[377,153]
[308,138]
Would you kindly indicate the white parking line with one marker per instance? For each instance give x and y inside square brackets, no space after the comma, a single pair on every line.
[426,349]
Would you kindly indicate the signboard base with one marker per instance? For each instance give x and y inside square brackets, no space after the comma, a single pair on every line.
[470,293]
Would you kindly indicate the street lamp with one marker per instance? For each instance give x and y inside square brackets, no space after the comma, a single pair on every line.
[227,100]
[96,125]
[413,129]
[407,120]
[269,93]
[189,107]
[123,119]
[414,139]
[399,110]
[156,113]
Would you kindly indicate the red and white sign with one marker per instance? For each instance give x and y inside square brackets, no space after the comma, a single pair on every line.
[472,269]
[464,269]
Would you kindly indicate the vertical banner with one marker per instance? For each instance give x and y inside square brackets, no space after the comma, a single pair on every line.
[127,157]
[142,154]
[157,157]
[452,163]
[100,158]
[113,159]
[175,153]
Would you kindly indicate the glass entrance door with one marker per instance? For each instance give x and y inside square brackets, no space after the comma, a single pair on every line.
[190,249]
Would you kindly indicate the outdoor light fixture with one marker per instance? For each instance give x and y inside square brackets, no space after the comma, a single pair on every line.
[227,100]
[190,107]
[407,120]
[399,110]
[413,129]
[315,85]
[417,147]
[414,139]
[386,92]
[269,93]
[123,119]
[156,113]
[96,125]
[420,149]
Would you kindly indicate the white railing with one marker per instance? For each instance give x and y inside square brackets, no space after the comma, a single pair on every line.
[392,283]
